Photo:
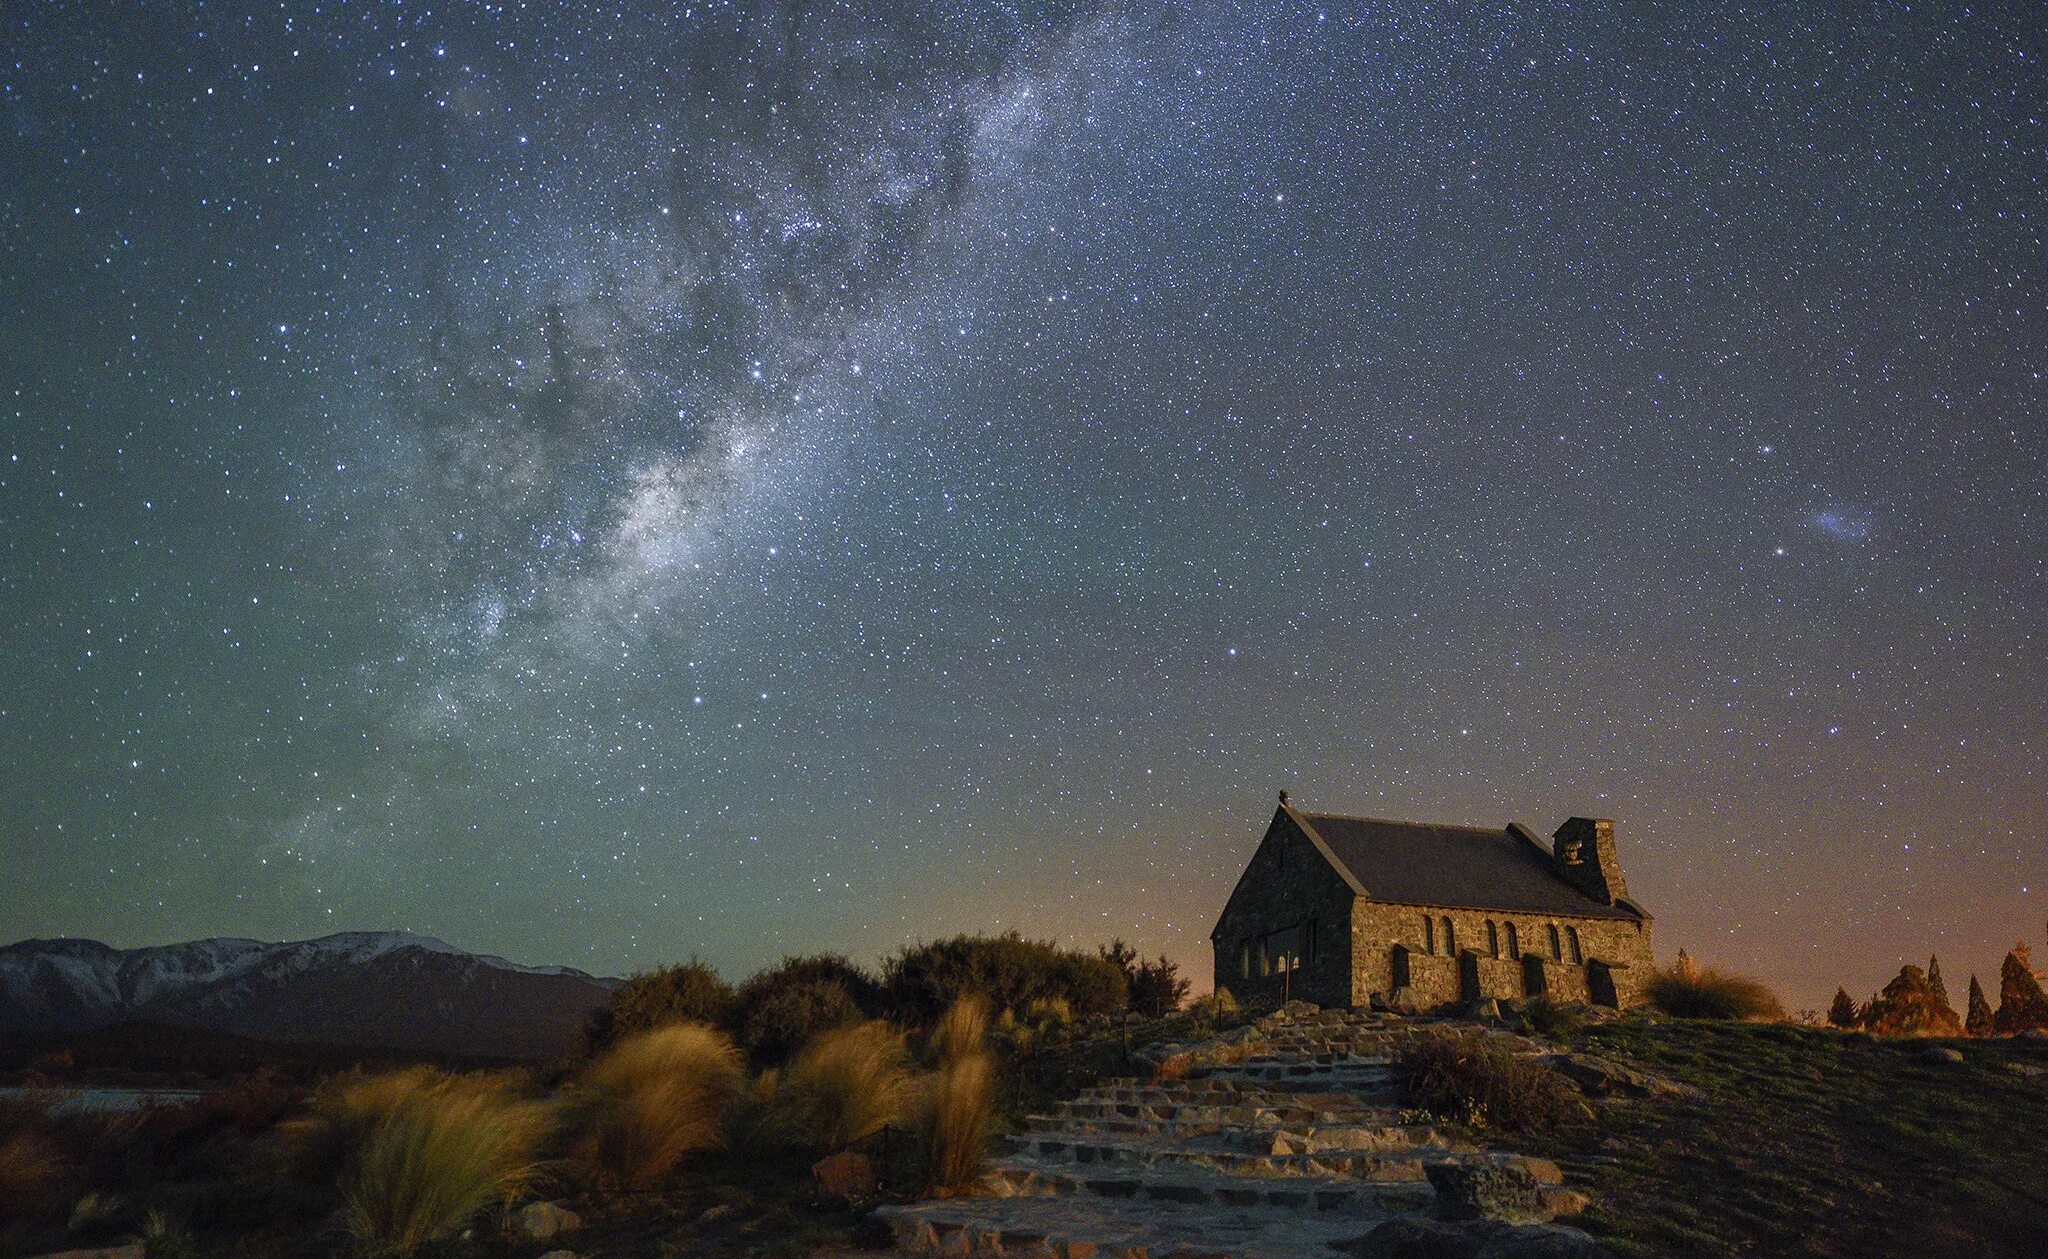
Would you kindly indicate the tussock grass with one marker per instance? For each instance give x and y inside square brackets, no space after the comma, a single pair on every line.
[1552,1019]
[35,1173]
[1473,1079]
[844,1085]
[959,1103]
[419,1153]
[652,1100]
[1688,990]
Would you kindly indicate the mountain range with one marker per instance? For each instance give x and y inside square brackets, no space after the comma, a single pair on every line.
[382,989]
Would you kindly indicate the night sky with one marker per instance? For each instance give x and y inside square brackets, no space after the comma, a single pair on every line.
[602,484]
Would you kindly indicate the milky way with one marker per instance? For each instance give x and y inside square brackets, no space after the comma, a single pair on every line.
[602,485]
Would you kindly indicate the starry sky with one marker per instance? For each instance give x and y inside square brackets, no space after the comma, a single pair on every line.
[603,483]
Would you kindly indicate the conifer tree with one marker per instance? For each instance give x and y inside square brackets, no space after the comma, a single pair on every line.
[1907,1007]
[1934,984]
[1977,1022]
[2021,1003]
[1843,1012]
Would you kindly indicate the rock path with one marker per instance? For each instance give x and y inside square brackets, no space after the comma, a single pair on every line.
[1298,1145]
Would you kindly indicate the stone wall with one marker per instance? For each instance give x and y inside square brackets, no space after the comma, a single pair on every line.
[1498,966]
[1287,894]
[1431,981]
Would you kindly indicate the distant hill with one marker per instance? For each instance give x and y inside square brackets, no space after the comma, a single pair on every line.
[386,989]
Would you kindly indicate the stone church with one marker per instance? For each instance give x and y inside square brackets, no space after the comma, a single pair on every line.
[1338,910]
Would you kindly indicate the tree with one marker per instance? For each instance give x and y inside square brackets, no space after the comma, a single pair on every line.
[1978,1021]
[1843,1012]
[1157,987]
[690,992]
[1934,984]
[1907,1007]
[2021,1003]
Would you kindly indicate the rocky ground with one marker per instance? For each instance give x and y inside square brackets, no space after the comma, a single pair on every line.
[1283,1140]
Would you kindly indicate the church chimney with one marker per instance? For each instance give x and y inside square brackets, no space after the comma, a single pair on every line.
[1584,847]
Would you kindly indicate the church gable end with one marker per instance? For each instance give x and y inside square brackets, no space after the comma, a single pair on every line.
[1285,930]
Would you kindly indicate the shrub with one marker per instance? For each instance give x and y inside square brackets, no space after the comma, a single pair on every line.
[1218,1006]
[843,1086]
[1473,1079]
[778,1011]
[650,1101]
[1008,970]
[959,1104]
[1842,1011]
[1049,1014]
[1691,991]
[418,1153]
[36,1177]
[1553,1019]
[687,993]
[1908,1006]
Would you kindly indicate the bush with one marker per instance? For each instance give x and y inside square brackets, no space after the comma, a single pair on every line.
[652,1100]
[418,1153]
[1691,991]
[36,1177]
[1555,1020]
[1008,970]
[1473,1079]
[959,1104]
[778,1011]
[687,993]
[843,1086]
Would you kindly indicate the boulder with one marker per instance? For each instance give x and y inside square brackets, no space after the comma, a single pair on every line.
[1402,1000]
[713,1215]
[1939,1054]
[2026,1070]
[1486,1009]
[1410,1237]
[1476,1190]
[2035,1033]
[848,1176]
[539,1221]
[1605,1077]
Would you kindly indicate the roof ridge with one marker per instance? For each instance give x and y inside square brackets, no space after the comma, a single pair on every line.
[1394,821]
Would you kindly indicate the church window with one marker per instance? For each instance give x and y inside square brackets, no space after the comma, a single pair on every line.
[1492,938]
[1514,941]
[1308,946]
[1428,934]
[1450,938]
[1244,960]
[1556,943]
[1572,938]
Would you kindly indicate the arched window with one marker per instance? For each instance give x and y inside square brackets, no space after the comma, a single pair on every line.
[1571,935]
[1428,934]
[1450,938]
[1514,941]
[1556,943]
[1492,938]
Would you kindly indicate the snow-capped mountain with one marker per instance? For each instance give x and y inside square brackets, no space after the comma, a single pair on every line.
[384,988]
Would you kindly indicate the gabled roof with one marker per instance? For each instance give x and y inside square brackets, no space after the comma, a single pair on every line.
[1465,867]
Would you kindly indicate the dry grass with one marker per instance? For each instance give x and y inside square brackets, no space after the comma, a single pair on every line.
[1473,1079]
[35,1175]
[651,1101]
[844,1085]
[962,1030]
[1690,991]
[959,1103]
[419,1153]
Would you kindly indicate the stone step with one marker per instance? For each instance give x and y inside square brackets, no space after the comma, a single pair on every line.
[1266,1112]
[1379,1166]
[1103,1228]
[1199,1186]
[1361,1138]
[1303,1132]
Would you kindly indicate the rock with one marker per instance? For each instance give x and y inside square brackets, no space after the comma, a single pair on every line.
[713,1215]
[539,1221]
[2026,1070]
[1543,1170]
[1566,1202]
[1939,1054]
[1409,1237]
[1604,1077]
[1472,1190]
[1485,1008]
[848,1176]
[2035,1033]
[561,1254]
[1402,1001]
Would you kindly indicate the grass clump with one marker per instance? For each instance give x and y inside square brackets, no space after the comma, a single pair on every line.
[1689,990]
[1474,1079]
[846,1084]
[419,1153]
[1553,1019]
[650,1101]
[959,1103]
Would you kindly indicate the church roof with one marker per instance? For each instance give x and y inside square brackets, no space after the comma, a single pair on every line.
[1466,867]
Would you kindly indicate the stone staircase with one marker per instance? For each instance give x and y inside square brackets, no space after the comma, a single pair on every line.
[1274,1145]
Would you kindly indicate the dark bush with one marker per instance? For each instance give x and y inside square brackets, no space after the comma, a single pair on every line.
[1552,1019]
[1473,1079]
[687,993]
[779,1019]
[1008,970]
